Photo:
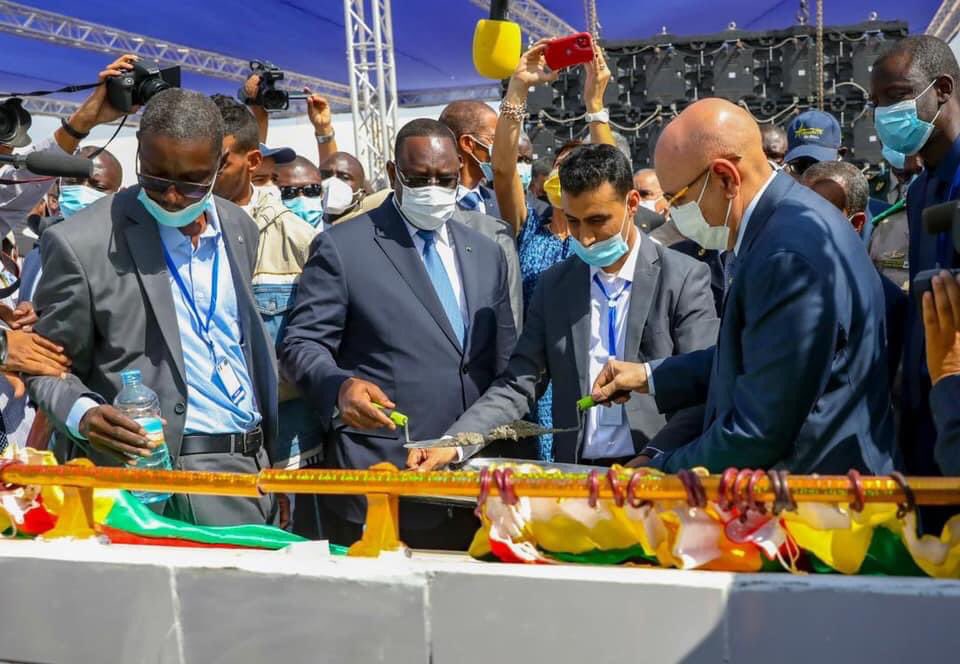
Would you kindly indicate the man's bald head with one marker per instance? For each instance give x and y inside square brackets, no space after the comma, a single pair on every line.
[468,116]
[774,142]
[107,173]
[715,146]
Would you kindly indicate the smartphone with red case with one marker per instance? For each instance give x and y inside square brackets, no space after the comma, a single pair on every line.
[568,51]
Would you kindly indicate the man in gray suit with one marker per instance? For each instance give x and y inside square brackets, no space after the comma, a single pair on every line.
[622,295]
[157,278]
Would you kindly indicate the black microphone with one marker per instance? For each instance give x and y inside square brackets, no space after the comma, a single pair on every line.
[51,163]
[57,164]
[939,218]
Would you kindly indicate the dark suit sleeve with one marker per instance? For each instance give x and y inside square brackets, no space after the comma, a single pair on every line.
[786,299]
[63,303]
[682,381]
[514,280]
[945,404]
[315,328]
[512,395]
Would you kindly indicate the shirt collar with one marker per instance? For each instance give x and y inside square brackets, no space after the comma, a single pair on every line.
[948,167]
[749,212]
[441,233]
[628,269]
[254,199]
[173,238]
[463,191]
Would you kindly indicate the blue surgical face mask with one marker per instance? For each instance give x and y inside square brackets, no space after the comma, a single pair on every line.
[605,252]
[525,171]
[308,208]
[75,197]
[485,166]
[896,159]
[179,218]
[900,128]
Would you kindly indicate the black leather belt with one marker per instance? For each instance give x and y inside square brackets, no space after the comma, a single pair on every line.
[248,443]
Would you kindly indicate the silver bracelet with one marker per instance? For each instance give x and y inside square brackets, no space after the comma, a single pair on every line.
[325,139]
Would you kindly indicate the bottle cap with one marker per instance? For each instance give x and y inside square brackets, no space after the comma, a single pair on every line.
[586,403]
[131,376]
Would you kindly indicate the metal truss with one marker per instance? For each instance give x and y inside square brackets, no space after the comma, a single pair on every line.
[47,26]
[946,22]
[62,109]
[373,82]
[590,14]
[537,21]
[435,97]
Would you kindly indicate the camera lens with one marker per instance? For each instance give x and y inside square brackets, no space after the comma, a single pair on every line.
[14,123]
[150,87]
[275,100]
[8,123]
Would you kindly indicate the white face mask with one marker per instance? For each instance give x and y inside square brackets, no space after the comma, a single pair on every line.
[338,196]
[650,204]
[427,208]
[690,222]
[271,189]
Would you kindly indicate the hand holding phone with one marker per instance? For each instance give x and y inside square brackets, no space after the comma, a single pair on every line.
[568,51]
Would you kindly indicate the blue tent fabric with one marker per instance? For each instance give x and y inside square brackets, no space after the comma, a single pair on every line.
[432,39]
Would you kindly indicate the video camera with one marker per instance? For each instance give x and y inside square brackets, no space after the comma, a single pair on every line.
[269,96]
[15,121]
[140,84]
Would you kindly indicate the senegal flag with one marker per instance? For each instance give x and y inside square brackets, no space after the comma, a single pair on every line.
[34,511]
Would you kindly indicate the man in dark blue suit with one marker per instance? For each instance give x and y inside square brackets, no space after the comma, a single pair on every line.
[923,69]
[404,308]
[798,378]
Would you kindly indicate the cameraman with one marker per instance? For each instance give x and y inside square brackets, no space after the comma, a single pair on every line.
[941,322]
[16,200]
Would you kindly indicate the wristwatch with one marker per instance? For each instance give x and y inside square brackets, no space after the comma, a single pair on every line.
[326,138]
[3,346]
[603,115]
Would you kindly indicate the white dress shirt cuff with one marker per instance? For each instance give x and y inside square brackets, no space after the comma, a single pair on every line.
[651,366]
[75,416]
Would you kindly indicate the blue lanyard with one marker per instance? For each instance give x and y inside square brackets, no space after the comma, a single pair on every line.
[203,327]
[611,314]
[945,240]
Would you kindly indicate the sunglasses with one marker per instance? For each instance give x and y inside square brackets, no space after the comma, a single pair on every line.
[194,190]
[417,181]
[310,191]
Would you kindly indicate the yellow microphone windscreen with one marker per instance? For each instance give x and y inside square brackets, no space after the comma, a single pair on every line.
[496,48]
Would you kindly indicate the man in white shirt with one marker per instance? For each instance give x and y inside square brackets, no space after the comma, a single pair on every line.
[621,296]
[403,307]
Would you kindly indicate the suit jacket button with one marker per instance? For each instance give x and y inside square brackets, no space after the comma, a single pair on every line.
[465,369]
[179,409]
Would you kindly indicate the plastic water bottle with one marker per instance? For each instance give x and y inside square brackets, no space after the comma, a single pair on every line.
[140,403]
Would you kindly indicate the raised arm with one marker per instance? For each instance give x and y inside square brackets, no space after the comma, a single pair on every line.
[594,86]
[320,116]
[532,70]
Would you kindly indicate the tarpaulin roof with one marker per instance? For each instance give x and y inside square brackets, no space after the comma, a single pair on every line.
[432,37]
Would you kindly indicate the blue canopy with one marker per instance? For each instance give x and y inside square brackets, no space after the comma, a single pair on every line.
[432,37]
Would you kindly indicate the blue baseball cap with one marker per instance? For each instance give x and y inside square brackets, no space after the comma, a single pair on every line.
[813,134]
[279,155]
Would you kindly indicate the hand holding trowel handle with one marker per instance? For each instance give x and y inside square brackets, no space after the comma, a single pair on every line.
[363,405]
[615,383]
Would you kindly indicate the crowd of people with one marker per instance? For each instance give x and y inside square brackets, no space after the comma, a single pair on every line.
[744,302]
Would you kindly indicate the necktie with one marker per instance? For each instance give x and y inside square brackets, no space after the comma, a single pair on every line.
[441,282]
[470,201]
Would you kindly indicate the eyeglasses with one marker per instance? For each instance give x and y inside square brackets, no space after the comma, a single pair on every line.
[194,190]
[672,199]
[799,166]
[417,181]
[308,190]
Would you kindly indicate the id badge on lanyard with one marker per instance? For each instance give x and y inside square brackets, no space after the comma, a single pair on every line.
[228,377]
